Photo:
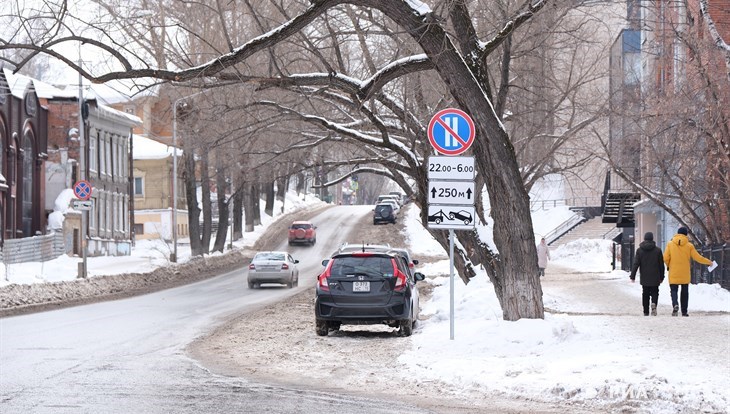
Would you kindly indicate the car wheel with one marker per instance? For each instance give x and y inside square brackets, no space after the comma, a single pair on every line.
[335,326]
[467,221]
[375,223]
[437,221]
[290,283]
[406,327]
[321,328]
[451,216]
[291,243]
[250,285]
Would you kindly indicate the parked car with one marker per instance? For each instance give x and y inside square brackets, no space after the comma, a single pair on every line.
[380,248]
[462,215]
[384,213]
[366,288]
[384,197]
[273,267]
[302,232]
[396,207]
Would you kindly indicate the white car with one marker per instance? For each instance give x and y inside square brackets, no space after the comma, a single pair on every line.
[273,267]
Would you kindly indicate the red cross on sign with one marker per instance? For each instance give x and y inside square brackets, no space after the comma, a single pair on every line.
[82,190]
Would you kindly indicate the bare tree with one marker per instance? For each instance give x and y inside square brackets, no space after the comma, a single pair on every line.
[437,54]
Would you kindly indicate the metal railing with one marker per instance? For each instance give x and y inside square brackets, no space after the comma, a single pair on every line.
[563,228]
[569,202]
[721,275]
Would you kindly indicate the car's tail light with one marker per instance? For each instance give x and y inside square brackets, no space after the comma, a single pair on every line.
[322,280]
[284,266]
[400,279]
[252,267]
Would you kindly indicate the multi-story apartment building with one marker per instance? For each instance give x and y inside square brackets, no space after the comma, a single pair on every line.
[685,116]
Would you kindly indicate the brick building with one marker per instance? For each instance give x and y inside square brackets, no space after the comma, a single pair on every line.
[23,139]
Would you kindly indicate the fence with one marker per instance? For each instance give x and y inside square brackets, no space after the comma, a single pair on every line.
[721,275]
[33,249]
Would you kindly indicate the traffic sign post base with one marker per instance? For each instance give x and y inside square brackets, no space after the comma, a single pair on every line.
[81,270]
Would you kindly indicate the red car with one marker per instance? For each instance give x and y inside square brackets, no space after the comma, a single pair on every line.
[302,232]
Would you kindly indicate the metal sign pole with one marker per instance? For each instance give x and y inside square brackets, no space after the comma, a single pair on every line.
[451,293]
[82,171]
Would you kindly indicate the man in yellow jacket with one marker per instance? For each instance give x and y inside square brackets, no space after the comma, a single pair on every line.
[677,257]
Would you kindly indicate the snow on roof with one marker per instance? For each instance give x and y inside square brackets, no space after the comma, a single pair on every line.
[148,149]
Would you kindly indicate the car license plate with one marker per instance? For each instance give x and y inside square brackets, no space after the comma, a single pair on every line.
[361,286]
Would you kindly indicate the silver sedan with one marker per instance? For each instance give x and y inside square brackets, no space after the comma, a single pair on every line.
[273,267]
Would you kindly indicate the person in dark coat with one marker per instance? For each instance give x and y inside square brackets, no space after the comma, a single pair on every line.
[649,261]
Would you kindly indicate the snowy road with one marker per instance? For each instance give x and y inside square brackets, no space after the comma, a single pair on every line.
[127,356]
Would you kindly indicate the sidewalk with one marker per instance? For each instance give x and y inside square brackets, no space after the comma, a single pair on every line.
[702,339]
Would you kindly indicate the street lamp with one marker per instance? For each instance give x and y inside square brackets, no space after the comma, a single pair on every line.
[173,256]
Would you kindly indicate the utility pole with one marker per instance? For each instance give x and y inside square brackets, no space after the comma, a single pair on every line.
[82,173]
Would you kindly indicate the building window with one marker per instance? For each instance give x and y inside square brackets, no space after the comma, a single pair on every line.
[92,152]
[108,156]
[138,229]
[105,213]
[27,204]
[102,156]
[139,186]
[92,214]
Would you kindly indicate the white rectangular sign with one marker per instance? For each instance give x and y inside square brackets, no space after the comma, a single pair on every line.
[83,204]
[451,192]
[451,217]
[450,168]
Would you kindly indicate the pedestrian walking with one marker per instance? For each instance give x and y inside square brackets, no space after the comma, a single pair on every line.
[678,256]
[649,261]
[543,255]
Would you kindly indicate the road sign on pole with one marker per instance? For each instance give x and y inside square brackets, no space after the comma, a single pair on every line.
[451,131]
[451,192]
[82,190]
[450,168]
[451,217]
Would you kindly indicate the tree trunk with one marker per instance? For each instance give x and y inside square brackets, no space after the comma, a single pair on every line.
[256,196]
[281,186]
[191,195]
[205,201]
[220,179]
[270,197]
[514,273]
[238,213]
[301,183]
[249,206]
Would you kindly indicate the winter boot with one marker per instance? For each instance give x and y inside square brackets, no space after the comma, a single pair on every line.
[653,309]
[675,312]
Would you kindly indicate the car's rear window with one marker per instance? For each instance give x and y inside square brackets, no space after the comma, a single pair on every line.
[269,256]
[368,265]
[382,208]
[301,226]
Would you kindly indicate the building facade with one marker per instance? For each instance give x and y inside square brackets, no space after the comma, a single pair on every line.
[23,139]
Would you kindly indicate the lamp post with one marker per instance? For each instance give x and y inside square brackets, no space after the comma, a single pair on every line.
[173,256]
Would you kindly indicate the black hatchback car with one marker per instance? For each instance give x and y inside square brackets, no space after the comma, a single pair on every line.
[383,213]
[364,288]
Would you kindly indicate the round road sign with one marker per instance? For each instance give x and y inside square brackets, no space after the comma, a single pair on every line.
[82,190]
[451,131]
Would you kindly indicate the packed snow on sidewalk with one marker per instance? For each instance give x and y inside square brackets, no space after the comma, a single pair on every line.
[563,357]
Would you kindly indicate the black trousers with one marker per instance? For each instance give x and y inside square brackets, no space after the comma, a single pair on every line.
[683,297]
[649,292]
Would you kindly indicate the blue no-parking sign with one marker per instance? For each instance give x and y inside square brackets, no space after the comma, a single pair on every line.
[451,131]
